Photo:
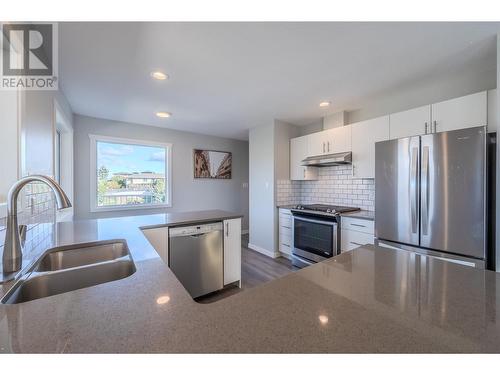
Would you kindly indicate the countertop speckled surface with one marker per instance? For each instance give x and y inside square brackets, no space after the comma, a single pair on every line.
[366,300]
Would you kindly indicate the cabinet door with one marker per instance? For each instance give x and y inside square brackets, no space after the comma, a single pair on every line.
[464,112]
[316,143]
[232,251]
[409,123]
[298,152]
[339,139]
[350,239]
[364,136]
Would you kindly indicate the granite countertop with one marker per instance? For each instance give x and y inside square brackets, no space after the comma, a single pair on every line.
[367,300]
[361,214]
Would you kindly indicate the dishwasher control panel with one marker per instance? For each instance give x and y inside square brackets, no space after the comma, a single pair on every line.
[194,229]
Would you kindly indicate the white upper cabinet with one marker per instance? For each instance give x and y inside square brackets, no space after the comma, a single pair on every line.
[316,143]
[364,136]
[339,139]
[298,152]
[464,112]
[409,123]
[329,141]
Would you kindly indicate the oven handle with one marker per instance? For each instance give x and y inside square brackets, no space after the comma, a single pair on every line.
[331,223]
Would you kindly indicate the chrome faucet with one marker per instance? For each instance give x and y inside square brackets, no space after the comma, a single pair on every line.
[15,234]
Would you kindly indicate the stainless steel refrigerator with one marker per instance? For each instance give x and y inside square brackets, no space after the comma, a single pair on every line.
[430,194]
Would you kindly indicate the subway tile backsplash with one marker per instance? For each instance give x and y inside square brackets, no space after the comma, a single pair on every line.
[36,209]
[335,186]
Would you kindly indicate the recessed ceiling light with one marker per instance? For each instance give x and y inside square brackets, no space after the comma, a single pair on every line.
[323,319]
[163,114]
[159,75]
[324,104]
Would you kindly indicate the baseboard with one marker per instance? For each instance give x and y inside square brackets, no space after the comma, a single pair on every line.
[261,250]
[287,256]
[244,231]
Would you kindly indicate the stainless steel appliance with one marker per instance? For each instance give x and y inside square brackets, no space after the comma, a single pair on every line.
[196,257]
[431,194]
[315,233]
[339,158]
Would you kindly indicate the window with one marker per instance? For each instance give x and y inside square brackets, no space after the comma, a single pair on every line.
[127,174]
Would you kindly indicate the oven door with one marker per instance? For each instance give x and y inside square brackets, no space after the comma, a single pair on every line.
[314,239]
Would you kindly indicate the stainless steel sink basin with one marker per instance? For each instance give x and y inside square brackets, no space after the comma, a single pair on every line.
[69,268]
[82,254]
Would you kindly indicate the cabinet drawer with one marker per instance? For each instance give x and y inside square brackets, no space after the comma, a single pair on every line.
[285,221]
[350,239]
[359,225]
[285,238]
[286,249]
[285,231]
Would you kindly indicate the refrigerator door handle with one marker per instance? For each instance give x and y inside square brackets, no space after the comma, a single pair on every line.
[413,190]
[425,190]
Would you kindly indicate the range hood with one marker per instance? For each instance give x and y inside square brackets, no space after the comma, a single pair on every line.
[340,158]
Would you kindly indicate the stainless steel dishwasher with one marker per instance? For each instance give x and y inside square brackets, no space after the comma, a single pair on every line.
[196,257]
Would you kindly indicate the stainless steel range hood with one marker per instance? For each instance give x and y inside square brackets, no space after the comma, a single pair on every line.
[340,158]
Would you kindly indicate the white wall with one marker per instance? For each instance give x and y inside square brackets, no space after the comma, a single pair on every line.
[446,85]
[188,194]
[261,197]
[269,153]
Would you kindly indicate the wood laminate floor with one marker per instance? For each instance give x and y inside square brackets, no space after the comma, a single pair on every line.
[256,269]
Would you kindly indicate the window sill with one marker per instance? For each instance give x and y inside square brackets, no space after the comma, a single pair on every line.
[128,208]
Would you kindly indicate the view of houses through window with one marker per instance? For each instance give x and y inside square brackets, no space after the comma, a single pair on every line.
[130,174]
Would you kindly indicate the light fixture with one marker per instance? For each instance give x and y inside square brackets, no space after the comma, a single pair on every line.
[323,319]
[163,114]
[325,104]
[162,300]
[159,75]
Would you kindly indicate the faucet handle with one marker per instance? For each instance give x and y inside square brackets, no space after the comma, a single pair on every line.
[22,233]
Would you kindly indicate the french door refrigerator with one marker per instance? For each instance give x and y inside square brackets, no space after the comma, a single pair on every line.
[430,194]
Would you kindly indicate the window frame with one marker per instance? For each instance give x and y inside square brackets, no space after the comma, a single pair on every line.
[127,141]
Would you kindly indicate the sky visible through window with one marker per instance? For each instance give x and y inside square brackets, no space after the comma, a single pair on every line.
[130,174]
[119,158]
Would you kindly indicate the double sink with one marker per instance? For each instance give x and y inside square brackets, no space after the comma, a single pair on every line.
[66,268]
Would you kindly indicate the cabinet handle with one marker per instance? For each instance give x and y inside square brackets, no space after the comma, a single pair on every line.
[323,147]
[426,125]
[284,244]
[359,225]
[328,146]
[304,173]
[227,229]
[435,126]
[356,243]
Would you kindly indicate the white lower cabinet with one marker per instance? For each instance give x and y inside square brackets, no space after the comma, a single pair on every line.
[350,239]
[232,251]
[355,233]
[285,232]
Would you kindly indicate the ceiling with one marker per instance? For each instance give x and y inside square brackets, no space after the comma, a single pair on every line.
[228,77]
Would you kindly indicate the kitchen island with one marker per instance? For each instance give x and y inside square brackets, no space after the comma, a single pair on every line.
[366,300]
